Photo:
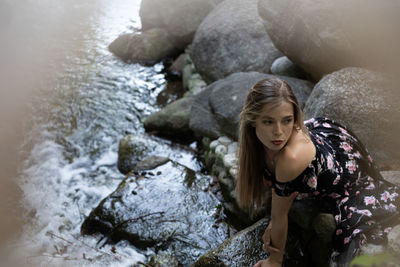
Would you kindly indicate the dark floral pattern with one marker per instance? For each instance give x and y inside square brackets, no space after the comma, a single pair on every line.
[343,173]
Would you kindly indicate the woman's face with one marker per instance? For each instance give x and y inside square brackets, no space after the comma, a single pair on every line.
[274,125]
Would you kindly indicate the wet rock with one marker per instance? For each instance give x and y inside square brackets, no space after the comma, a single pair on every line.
[324,36]
[245,249]
[215,111]
[179,18]
[150,163]
[172,121]
[164,259]
[148,47]
[179,63]
[283,66]
[367,103]
[170,211]
[232,39]
[392,176]
[132,149]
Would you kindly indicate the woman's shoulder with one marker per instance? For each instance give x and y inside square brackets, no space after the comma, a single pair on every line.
[294,158]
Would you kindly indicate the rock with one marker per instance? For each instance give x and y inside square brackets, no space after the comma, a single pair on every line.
[283,66]
[215,111]
[392,176]
[150,163]
[245,249]
[367,103]
[324,225]
[172,121]
[232,39]
[179,18]
[167,211]
[187,73]
[179,63]
[202,121]
[147,48]
[132,149]
[394,239]
[324,36]
[164,259]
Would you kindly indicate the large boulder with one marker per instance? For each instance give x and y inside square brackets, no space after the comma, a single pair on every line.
[167,208]
[148,47]
[368,104]
[216,110]
[244,249]
[232,39]
[322,36]
[172,121]
[179,18]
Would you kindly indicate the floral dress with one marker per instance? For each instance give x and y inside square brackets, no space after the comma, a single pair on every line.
[342,173]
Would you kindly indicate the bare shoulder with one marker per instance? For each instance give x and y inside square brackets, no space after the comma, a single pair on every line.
[294,158]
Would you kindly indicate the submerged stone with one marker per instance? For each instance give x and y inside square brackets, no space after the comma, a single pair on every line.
[170,210]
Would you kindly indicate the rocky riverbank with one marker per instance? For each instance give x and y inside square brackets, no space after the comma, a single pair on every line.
[225,47]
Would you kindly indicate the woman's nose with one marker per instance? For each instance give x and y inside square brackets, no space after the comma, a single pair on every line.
[277,129]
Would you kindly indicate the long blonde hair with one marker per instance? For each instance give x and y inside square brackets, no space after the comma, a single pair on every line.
[250,186]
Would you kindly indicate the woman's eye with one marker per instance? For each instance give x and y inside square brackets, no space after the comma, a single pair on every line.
[288,121]
[267,122]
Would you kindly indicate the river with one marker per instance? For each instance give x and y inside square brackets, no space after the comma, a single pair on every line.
[86,102]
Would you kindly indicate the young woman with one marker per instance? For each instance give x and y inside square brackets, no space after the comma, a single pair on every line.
[317,159]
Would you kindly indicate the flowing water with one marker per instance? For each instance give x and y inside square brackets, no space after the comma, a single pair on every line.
[89,100]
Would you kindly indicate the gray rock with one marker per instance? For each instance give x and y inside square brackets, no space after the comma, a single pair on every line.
[232,39]
[149,47]
[394,239]
[132,149]
[367,103]
[150,163]
[219,105]
[172,121]
[322,36]
[179,63]
[392,176]
[202,121]
[245,249]
[187,73]
[167,211]
[283,66]
[180,18]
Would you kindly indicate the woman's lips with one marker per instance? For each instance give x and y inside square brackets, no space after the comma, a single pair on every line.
[277,142]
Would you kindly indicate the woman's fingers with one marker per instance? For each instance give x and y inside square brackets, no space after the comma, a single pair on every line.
[258,264]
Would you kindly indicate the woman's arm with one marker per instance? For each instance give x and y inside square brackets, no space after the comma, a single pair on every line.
[279,220]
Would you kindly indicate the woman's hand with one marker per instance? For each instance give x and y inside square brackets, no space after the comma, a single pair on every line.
[266,238]
[268,263]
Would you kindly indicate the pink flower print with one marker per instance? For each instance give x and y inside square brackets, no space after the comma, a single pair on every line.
[345,146]
[336,181]
[343,130]
[346,193]
[356,231]
[390,207]
[349,215]
[385,196]
[337,218]
[319,141]
[339,231]
[346,240]
[345,208]
[315,123]
[334,195]
[309,121]
[351,166]
[344,200]
[315,193]
[357,155]
[334,254]
[357,193]
[330,162]
[352,208]
[370,159]
[322,159]
[364,212]
[370,200]
[387,230]
[312,182]
[371,186]
[327,125]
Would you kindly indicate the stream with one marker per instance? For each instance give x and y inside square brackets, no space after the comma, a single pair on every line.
[76,118]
